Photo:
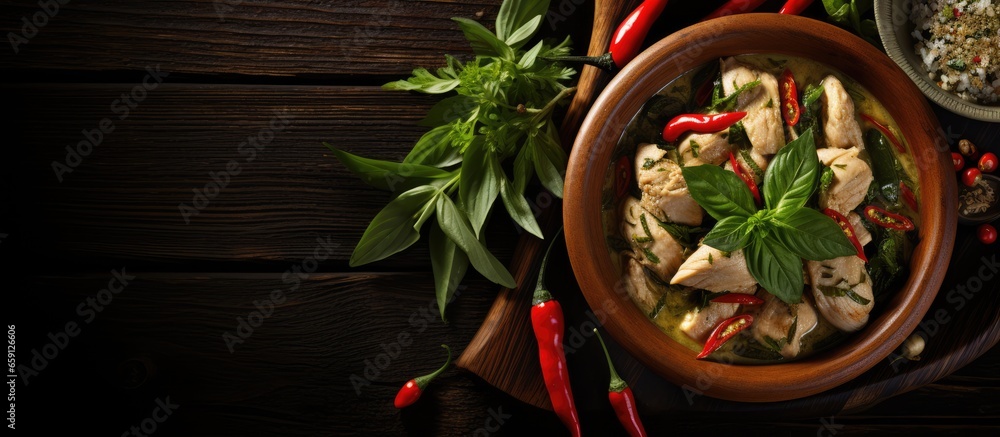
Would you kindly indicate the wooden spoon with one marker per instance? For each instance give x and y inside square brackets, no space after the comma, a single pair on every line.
[504,352]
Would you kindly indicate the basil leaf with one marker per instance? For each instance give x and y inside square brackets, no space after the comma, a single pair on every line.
[519,209]
[778,270]
[729,234]
[550,164]
[523,33]
[837,10]
[391,230]
[528,59]
[426,212]
[387,175]
[424,81]
[434,149]
[523,169]
[450,109]
[484,42]
[480,182]
[812,235]
[719,191]
[515,14]
[456,225]
[790,179]
[449,264]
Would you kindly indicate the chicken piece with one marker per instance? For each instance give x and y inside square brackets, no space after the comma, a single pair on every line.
[840,127]
[772,324]
[710,269]
[641,289]
[700,149]
[664,191]
[656,249]
[843,291]
[761,103]
[700,322]
[864,237]
[851,178]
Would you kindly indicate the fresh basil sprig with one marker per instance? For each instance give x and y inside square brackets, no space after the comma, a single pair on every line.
[502,107]
[777,237]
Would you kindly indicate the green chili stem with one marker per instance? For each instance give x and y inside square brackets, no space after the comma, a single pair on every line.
[617,383]
[541,294]
[422,381]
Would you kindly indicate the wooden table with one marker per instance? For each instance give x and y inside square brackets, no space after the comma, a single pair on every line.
[208,192]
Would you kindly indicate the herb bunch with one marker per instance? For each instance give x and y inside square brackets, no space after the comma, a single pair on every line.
[777,237]
[502,107]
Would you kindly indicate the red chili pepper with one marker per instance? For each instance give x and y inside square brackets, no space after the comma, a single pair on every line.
[733,7]
[908,196]
[789,98]
[413,388]
[628,38]
[745,176]
[887,219]
[742,299]
[548,324]
[977,59]
[795,7]
[848,229]
[700,123]
[722,333]
[622,399]
[885,131]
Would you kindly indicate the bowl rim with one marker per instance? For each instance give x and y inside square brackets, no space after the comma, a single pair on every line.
[885,21]
[647,74]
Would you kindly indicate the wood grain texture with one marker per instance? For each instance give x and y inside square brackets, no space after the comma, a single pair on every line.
[285,378]
[244,37]
[123,200]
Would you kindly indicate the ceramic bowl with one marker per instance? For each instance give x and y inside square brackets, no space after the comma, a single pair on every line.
[895,28]
[692,47]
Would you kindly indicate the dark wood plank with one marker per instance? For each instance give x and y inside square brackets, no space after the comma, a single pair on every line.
[290,376]
[243,37]
[123,200]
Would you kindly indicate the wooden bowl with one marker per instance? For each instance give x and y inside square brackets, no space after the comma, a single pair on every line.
[692,47]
